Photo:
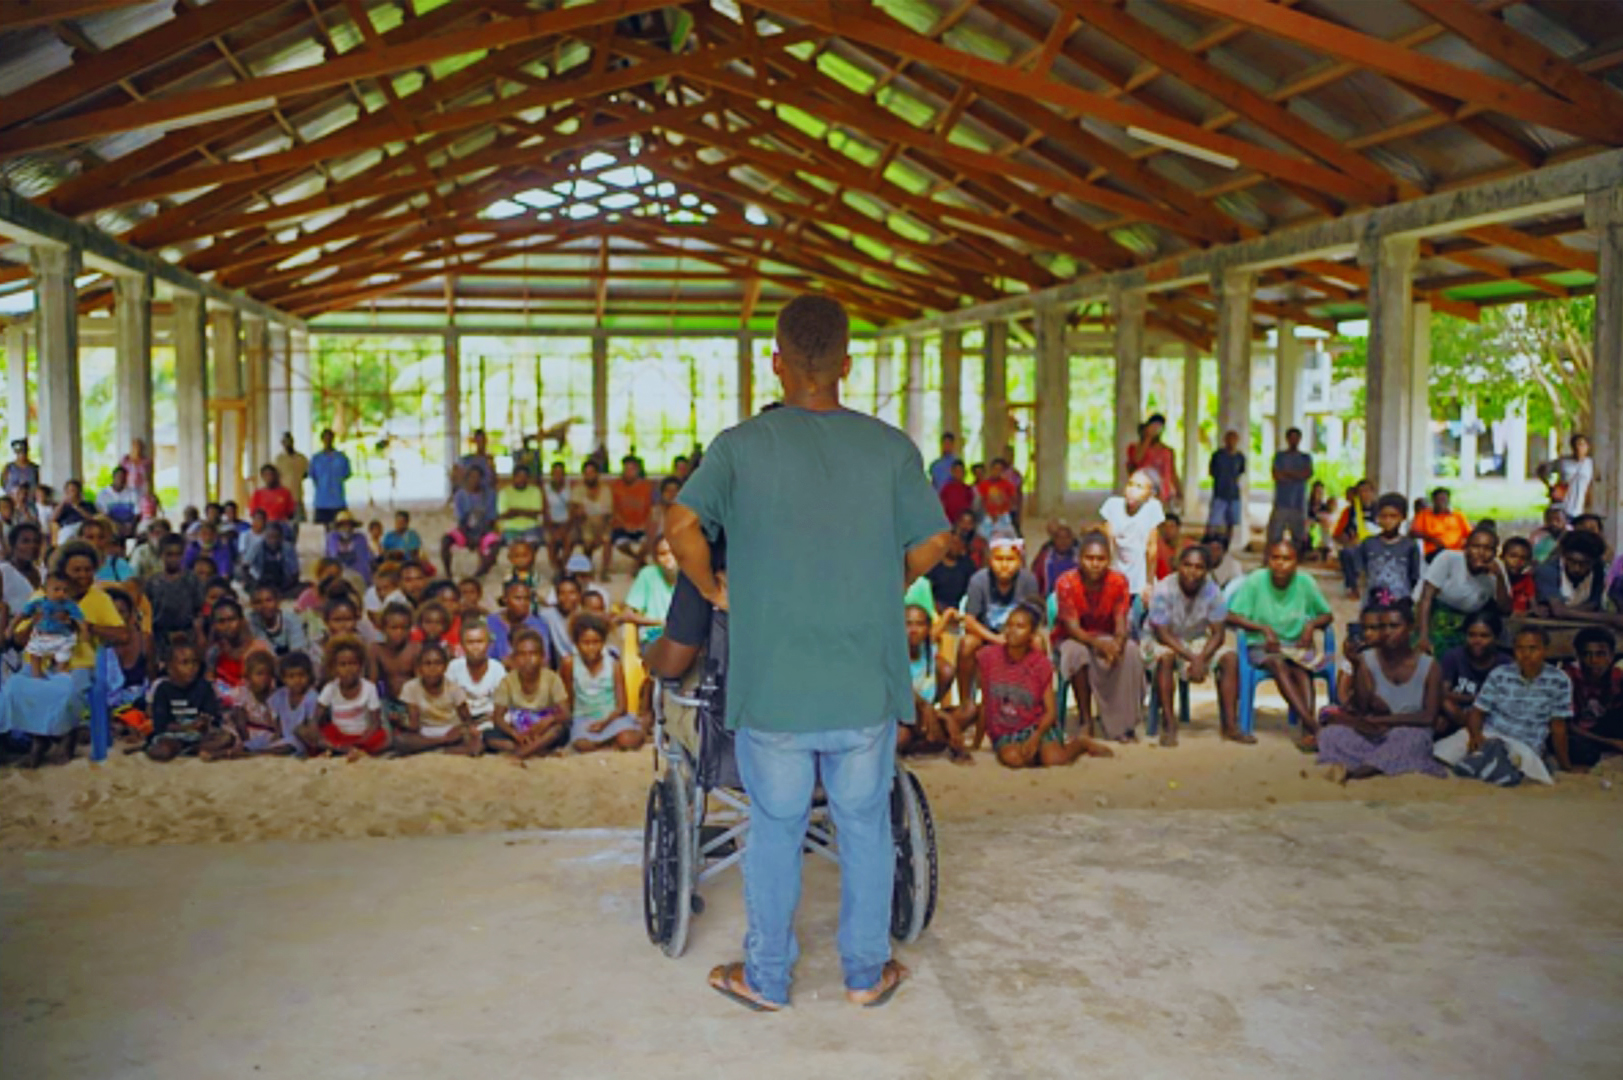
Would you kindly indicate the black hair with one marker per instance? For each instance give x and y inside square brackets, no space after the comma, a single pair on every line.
[1094,538]
[1221,541]
[218,583]
[1436,491]
[1173,518]
[1198,550]
[395,608]
[296,661]
[433,648]
[21,529]
[1596,518]
[588,620]
[170,542]
[526,635]
[1517,541]
[226,602]
[1031,611]
[1583,543]
[1529,630]
[1486,617]
[1392,499]
[1594,635]
[1403,608]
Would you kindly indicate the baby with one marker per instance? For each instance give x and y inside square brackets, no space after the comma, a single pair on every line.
[57,622]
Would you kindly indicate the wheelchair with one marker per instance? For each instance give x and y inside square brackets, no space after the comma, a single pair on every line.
[698,823]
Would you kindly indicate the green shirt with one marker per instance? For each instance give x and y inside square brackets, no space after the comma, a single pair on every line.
[528,500]
[820,510]
[650,594]
[1287,611]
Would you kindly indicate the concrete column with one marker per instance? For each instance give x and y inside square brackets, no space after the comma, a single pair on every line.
[191,401]
[453,402]
[56,315]
[279,385]
[225,354]
[952,386]
[1468,441]
[1194,465]
[301,392]
[1052,412]
[1387,423]
[887,402]
[600,391]
[746,376]
[1515,430]
[16,382]
[1127,308]
[1287,381]
[915,390]
[994,389]
[1603,212]
[1418,453]
[256,372]
[132,311]
[1233,289]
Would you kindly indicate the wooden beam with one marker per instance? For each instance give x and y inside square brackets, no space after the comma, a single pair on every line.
[357,64]
[1327,37]
[1547,248]
[1495,39]
[19,14]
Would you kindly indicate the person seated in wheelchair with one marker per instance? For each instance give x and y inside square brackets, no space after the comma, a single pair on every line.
[692,651]
[1018,711]
[1284,609]
[1188,640]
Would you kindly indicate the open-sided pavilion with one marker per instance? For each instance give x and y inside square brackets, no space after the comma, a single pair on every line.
[1186,174]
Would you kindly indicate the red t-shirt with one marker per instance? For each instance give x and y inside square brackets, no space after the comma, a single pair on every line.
[1013,691]
[997,497]
[277,502]
[1523,592]
[633,504]
[1094,611]
[1160,458]
[956,497]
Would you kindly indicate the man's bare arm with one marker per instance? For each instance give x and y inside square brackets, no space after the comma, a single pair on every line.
[692,550]
[923,556]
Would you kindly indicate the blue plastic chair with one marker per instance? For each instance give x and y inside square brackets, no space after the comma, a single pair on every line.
[101,722]
[1252,676]
[1153,725]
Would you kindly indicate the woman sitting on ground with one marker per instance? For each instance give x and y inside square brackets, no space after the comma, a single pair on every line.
[1017,700]
[1386,728]
[993,593]
[1457,585]
[932,676]
[1285,609]
[1096,654]
[1466,667]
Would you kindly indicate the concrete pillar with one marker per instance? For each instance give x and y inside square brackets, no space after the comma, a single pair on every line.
[1515,431]
[1387,422]
[915,390]
[56,315]
[453,402]
[1468,441]
[1419,453]
[16,383]
[132,311]
[600,391]
[887,403]
[279,385]
[994,389]
[301,392]
[952,386]
[1603,212]
[191,401]
[256,388]
[225,360]
[1233,289]
[1194,465]
[1052,412]
[1127,308]
[746,376]
[1287,381]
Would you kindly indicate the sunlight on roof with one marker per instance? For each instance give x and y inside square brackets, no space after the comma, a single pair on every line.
[539,199]
[503,208]
[755,215]
[620,200]
[597,159]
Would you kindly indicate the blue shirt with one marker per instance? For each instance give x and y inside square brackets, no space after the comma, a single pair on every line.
[501,641]
[328,471]
[408,541]
[941,470]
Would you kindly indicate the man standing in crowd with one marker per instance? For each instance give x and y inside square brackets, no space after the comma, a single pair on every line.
[1292,470]
[292,467]
[818,672]
[1226,467]
[329,469]
[1570,478]
[941,467]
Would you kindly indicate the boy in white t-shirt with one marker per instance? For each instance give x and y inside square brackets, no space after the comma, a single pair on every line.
[476,674]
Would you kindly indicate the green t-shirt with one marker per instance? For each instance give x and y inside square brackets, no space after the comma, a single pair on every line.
[528,500]
[820,510]
[650,594]
[1288,611]
[921,594]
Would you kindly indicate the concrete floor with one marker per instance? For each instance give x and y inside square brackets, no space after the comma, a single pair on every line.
[1474,939]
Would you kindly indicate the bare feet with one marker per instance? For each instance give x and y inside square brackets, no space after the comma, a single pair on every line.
[1336,774]
[1097,749]
[1169,738]
[960,756]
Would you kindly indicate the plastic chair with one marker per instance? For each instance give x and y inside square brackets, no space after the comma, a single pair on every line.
[1153,724]
[1252,676]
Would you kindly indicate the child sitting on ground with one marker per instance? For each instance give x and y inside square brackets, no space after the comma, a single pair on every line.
[1596,730]
[437,716]
[57,622]
[597,691]
[294,703]
[434,628]
[567,601]
[394,661]
[477,674]
[516,614]
[185,712]
[1017,699]
[1523,704]
[255,725]
[230,644]
[531,714]
[470,596]
[269,622]
[348,718]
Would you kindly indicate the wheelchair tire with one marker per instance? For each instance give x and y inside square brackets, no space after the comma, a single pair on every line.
[667,865]
[913,898]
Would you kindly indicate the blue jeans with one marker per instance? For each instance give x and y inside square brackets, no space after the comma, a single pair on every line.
[780,771]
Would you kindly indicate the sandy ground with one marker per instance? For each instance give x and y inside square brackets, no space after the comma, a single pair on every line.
[1480,939]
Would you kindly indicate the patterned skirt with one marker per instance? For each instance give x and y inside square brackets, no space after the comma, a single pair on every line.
[1400,750]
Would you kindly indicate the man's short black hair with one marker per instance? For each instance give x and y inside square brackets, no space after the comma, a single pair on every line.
[1594,635]
[1436,491]
[1293,431]
[1156,418]
[1393,500]
[171,540]
[1517,542]
[814,335]
[1583,543]
[1539,632]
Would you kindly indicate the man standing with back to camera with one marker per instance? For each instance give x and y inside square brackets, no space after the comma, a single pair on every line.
[829,516]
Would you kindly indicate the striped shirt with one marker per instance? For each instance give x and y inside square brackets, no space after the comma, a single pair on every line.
[1523,708]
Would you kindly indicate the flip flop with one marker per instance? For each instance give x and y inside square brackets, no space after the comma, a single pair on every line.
[897,974]
[725,980]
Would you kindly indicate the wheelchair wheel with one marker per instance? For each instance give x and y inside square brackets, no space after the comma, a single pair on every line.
[667,865]
[914,892]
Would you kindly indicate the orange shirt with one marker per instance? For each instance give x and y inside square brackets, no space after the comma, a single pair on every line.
[633,504]
[1451,529]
